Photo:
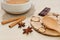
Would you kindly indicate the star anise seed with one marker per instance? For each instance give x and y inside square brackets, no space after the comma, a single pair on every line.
[21,24]
[27,31]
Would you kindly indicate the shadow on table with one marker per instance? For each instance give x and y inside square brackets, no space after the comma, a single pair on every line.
[27,14]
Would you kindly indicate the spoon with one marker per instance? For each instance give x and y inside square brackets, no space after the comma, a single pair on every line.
[51,23]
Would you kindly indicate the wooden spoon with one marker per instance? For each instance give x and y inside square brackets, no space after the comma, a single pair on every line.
[51,23]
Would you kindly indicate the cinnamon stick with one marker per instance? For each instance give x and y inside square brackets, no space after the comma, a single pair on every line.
[10,20]
[17,21]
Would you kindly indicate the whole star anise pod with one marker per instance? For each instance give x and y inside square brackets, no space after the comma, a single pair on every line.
[27,31]
[21,24]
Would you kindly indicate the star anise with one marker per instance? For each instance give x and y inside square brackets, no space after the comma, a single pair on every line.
[27,31]
[21,24]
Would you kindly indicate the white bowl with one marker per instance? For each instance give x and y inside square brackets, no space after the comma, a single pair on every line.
[16,8]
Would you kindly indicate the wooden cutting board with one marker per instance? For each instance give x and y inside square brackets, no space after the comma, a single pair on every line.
[37,26]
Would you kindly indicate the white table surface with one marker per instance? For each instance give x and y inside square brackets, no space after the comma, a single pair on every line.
[16,33]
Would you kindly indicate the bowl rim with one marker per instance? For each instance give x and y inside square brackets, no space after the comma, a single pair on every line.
[16,4]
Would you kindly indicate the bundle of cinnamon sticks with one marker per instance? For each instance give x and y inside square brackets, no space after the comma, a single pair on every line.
[14,21]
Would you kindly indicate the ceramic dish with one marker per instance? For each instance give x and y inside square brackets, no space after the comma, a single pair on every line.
[16,8]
